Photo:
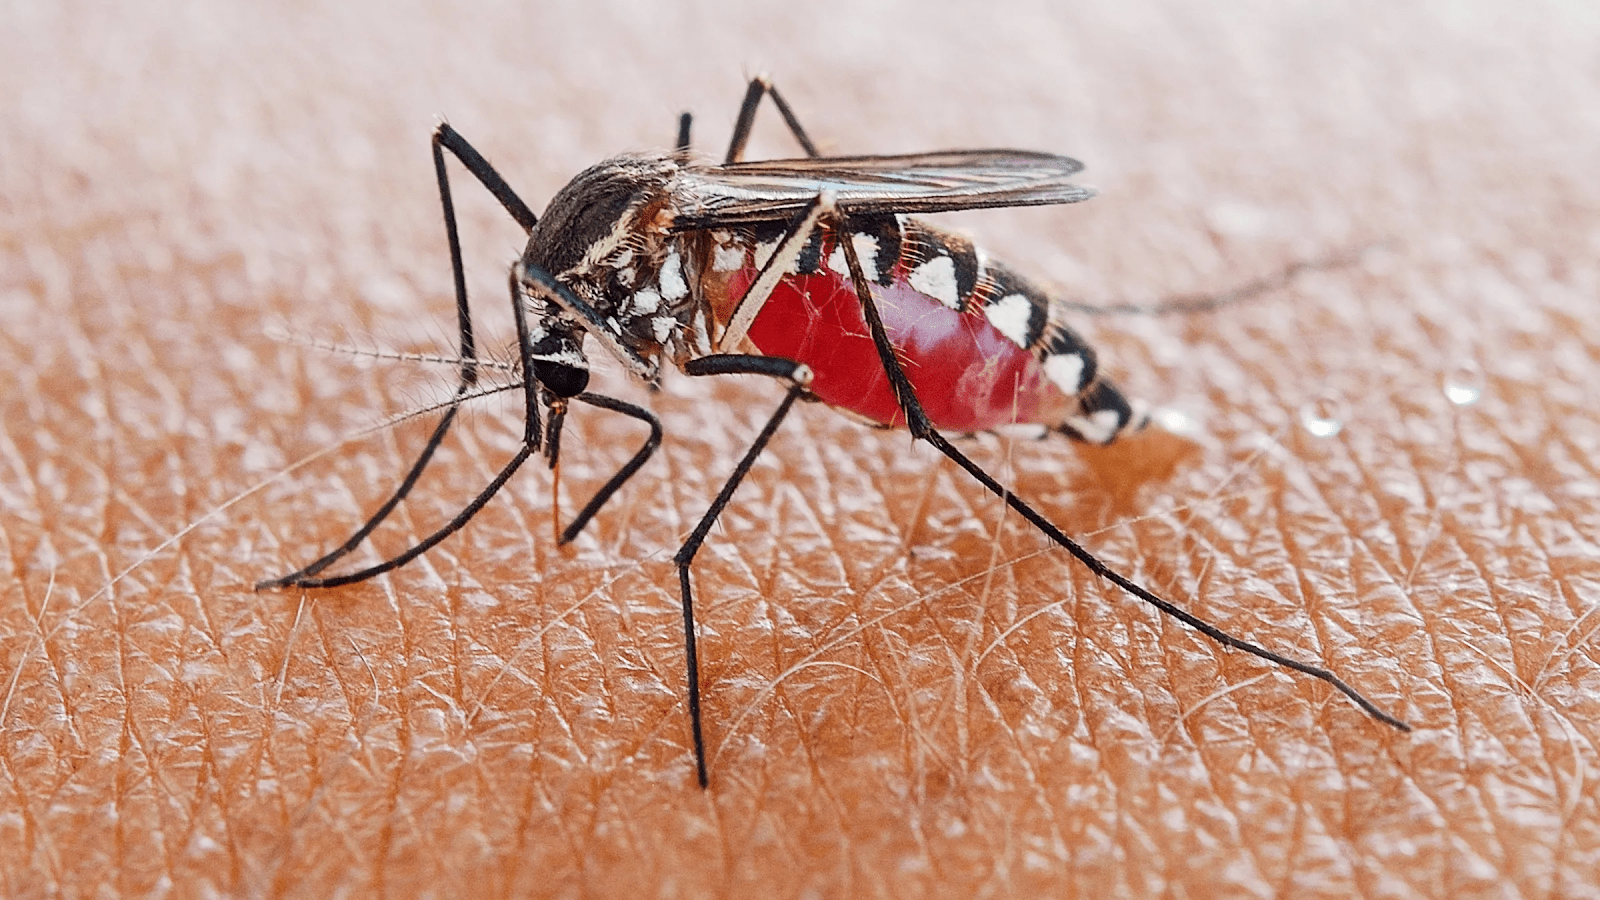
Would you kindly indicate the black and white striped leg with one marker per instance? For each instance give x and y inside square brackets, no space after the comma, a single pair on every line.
[917,420]
[798,376]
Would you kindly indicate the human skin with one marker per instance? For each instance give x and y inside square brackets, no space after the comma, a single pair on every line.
[907,691]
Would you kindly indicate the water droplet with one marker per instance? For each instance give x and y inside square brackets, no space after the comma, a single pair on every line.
[1323,417]
[1175,421]
[1463,385]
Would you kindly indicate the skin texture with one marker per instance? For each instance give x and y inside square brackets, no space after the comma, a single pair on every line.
[907,693]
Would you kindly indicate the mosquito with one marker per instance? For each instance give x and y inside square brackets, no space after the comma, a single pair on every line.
[808,271]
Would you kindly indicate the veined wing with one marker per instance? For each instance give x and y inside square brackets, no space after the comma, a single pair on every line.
[775,190]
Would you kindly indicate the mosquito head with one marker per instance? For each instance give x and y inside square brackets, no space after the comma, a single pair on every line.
[597,213]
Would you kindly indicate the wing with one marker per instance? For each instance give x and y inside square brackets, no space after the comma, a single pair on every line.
[775,190]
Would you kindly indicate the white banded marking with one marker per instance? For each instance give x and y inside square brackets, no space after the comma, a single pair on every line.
[866,251]
[937,278]
[764,253]
[1098,427]
[727,257]
[1065,371]
[1010,316]
[645,302]
[673,287]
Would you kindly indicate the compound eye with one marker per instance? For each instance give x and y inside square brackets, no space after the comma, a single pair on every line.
[561,379]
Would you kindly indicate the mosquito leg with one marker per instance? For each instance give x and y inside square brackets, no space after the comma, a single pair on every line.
[623,474]
[759,86]
[798,376]
[531,437]
[921,427]
[1187,304]
[443,138]
[685,123]
[450,139]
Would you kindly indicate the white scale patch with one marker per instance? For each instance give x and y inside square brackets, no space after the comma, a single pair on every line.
[645,302]
[1141,415]
[566,358]
[866,251]
[1065,371]
[1010,315]
[673,287]
[727,258]
[623,263]
[699,333]
[1098,427]
[937,278]
[663,326]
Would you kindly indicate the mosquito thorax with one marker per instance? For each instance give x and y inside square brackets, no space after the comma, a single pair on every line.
[606,210]
[608,235]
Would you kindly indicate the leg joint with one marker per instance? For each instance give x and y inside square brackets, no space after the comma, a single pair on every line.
[796,373]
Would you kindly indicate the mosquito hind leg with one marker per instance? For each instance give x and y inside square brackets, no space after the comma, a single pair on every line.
[761,86]
[922,427]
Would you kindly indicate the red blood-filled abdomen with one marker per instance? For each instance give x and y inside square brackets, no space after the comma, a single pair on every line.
[968,375]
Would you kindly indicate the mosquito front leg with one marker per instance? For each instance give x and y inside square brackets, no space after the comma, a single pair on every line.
[799,377]
[444,138]
[530,444]
[922,427]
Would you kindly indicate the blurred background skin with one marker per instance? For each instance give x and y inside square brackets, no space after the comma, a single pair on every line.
[906,693]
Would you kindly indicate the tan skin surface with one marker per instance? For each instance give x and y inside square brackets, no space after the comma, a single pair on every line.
[907,692]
